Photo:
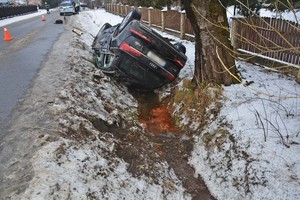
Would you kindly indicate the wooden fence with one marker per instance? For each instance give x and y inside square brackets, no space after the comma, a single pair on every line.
[269,38]
[172,21]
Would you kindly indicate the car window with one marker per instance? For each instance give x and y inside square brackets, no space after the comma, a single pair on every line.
[65,4]
[105,60]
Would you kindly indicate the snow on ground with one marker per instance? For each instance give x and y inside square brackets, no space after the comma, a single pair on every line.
[76,168]
[250,151]
[8,21]
[66,170]
[257,137]
[286,15]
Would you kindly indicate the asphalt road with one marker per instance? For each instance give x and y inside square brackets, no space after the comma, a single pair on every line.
[32,71]
[22,58]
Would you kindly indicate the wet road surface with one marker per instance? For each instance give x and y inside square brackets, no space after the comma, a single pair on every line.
[21,59]
[30,67]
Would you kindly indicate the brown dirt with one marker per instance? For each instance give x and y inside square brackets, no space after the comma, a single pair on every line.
[161,141]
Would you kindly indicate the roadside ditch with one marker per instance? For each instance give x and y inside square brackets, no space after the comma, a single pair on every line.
[162,141]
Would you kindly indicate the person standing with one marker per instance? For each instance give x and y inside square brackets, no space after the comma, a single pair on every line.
[77,7]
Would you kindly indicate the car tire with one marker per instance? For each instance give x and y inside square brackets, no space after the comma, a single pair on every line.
[133,14]
[180,47]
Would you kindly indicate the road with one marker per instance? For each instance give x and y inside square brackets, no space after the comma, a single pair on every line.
[26,63]
[22,58]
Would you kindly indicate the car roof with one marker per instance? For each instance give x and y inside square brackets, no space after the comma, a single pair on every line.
[66,3]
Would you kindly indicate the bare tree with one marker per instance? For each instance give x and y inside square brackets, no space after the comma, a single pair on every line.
[214,60]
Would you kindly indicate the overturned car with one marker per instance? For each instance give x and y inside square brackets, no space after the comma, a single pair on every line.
[137,55]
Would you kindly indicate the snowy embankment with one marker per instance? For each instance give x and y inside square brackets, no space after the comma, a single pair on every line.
[250,151]
[93,109]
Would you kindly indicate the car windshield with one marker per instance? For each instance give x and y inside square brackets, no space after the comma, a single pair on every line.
[66,4]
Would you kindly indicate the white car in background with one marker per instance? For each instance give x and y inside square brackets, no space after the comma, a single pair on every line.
[66,8]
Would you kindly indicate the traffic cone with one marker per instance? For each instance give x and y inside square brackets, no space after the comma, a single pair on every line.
[43,18]
[7,36]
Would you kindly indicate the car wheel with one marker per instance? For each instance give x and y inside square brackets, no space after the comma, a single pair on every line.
[180,47]
[133,14]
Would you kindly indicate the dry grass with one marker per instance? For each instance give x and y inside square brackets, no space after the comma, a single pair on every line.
[200,104]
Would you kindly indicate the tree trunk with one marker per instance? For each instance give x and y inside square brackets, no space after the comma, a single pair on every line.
[214,60]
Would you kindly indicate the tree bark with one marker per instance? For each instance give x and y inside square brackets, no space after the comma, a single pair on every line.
[214,59]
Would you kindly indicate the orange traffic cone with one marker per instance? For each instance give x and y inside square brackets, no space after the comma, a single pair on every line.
[43,18]
[7,36]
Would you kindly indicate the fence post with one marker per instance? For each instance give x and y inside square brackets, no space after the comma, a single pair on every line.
[149,15]
[232,33]
[126,9]
[121,10]
[163,24]
[140,8]
[118,9]
[182,24]
[298,77]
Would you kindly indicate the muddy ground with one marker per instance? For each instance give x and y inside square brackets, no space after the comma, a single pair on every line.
[161,141]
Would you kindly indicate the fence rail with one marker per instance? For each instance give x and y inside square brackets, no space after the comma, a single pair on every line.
[9,11]
[172,21]
[268,37]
